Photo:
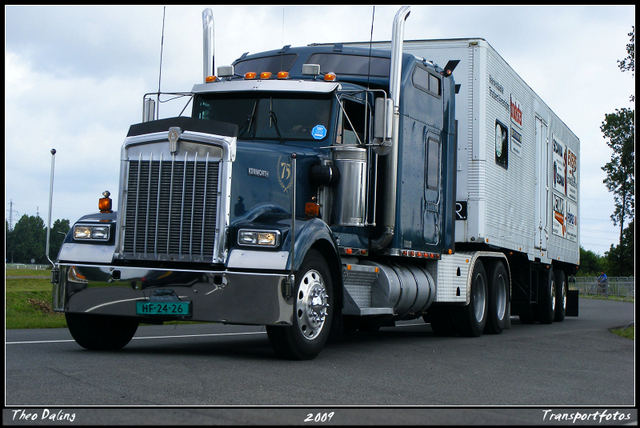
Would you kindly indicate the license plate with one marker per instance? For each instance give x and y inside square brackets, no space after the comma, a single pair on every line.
[164,308]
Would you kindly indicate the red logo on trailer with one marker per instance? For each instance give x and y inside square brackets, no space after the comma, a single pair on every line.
[516,111]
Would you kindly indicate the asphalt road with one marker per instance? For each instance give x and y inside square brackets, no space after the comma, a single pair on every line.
[214,374]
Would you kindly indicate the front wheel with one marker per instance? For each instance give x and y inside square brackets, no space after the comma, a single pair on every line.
[313,312]
[101,332]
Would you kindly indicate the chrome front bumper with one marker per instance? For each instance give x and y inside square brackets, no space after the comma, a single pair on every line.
[227,297]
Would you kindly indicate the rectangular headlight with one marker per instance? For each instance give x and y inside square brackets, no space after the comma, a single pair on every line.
[259,238]
[86,232]
[100,232]
[82,232]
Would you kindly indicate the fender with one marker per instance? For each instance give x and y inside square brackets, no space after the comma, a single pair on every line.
[308,233]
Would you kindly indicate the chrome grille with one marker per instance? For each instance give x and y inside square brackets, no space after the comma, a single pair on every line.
[170,209]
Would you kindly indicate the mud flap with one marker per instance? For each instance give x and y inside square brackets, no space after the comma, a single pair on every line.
[572,303]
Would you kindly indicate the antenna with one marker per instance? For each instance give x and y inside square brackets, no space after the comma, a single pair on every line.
[164,11]
[53,164]
[373,15]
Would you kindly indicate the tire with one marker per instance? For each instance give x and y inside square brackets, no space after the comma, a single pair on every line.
[498,315]
[472,319]
[441,320]
[546,311]
[101,332]
[313,312]
[561,295]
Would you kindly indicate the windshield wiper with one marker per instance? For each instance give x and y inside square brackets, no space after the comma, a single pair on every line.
[246,126]
[274,119]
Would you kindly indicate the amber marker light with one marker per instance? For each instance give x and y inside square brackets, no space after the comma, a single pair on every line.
[312,209]
[104,204]
[330,77]
[210,79]
[283,75]
[265,75]
[250,75]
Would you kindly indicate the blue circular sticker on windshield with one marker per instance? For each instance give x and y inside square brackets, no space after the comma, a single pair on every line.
[319,132]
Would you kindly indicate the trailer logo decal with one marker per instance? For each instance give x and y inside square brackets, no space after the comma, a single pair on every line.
[559,166]
[516,111]
[572,175]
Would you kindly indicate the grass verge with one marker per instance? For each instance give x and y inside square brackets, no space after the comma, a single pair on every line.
[28,300]
[628,332]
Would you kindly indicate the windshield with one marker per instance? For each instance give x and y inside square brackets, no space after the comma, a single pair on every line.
[269,115]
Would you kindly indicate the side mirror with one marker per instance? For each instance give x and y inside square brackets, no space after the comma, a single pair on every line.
[383,125]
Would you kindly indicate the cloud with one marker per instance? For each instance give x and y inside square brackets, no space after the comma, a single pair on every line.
[75,77]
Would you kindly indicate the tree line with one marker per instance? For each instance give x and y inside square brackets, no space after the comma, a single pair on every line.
[618,129]
[27,241]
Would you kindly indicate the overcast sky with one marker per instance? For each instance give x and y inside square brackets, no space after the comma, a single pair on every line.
[75,78]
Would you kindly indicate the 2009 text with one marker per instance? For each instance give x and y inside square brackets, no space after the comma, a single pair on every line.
[319,417]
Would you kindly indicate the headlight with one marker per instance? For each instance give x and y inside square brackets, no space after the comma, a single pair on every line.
[259,238]
[85,232]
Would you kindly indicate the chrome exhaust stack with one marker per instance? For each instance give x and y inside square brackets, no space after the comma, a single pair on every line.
[395,76]
[207,44]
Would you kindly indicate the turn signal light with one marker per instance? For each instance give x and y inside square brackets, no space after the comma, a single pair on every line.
[312,209]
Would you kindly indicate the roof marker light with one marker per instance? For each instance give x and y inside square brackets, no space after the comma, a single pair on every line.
[250,75]
[330,77]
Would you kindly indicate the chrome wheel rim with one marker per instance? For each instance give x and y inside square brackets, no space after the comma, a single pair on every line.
[311,304]
[479,298]
[501,297]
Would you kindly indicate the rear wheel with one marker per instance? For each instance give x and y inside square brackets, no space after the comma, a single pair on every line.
[471,319]
[101,332]
[498,299]
[547,301]
[313,312]
[561,295]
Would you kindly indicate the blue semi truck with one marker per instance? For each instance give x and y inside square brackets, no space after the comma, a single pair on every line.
[331,188]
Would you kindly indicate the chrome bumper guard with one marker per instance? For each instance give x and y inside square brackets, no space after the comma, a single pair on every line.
[224,296]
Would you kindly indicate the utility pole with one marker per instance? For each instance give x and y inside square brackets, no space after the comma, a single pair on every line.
[11,211]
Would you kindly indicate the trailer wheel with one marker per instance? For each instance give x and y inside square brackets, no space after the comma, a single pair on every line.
[547,303]
[498,299]
[101,332]
[471,319]
[313,312]
[561,295]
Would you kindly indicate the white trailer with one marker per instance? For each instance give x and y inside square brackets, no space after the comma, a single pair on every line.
[517,164]
[517,188]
